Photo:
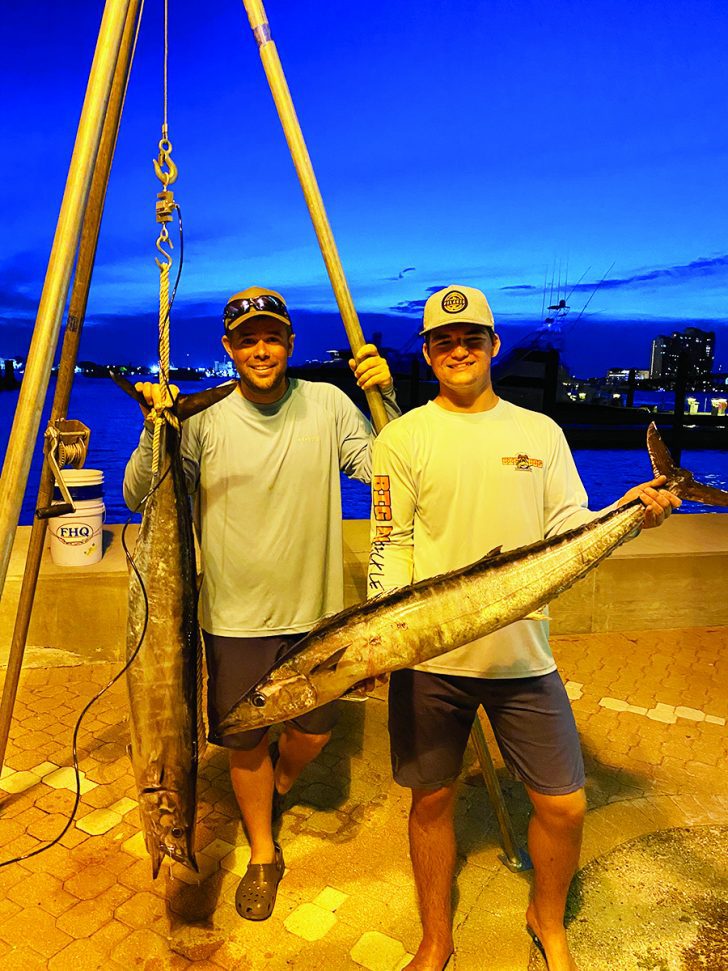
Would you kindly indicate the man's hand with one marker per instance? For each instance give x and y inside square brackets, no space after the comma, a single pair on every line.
[156,396]
[370,369]
[659,503]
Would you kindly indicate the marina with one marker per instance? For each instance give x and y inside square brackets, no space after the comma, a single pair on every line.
[129,842]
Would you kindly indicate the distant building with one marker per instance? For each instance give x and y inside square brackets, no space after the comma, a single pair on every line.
[621,375]
[699,345]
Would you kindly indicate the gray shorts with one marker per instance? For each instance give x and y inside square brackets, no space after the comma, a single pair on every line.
[430,717]
[234,665]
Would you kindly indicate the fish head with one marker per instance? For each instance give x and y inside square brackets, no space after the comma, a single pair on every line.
[281,695]
[168,826]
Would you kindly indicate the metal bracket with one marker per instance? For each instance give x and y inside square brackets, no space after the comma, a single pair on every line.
[66,443]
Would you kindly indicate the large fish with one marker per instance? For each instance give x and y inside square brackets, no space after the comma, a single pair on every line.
[410,625]
[164,679]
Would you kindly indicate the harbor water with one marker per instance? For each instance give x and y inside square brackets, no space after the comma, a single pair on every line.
[115,423]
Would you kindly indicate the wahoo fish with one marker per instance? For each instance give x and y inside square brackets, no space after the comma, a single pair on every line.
[412,624]
[163,646]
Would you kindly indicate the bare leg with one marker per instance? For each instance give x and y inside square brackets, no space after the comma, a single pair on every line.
[251,774]
[432,848]
[297,749]
[554,843]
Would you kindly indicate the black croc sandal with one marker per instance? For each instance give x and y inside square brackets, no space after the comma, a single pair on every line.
[256,894]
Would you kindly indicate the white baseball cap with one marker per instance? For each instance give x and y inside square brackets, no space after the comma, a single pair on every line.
[457,305]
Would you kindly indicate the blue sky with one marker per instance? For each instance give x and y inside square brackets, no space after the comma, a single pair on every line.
[496,144]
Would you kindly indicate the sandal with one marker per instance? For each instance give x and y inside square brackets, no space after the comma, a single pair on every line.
[256,894]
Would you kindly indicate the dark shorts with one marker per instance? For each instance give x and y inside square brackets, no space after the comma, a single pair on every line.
[234,665]
[430,717]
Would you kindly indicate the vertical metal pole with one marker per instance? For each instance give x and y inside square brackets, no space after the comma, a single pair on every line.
[514,858]
[69,354]
[55,288]
[302,161]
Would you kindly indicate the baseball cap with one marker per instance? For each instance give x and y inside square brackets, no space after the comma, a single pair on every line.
[456,305]
[254,302]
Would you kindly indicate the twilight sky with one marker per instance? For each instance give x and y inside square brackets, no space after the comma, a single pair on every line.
[505,145]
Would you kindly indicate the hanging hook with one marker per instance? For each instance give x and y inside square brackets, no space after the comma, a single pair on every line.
[165,158]
[162,241]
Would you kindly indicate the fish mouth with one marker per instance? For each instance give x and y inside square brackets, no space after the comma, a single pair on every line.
[269,705]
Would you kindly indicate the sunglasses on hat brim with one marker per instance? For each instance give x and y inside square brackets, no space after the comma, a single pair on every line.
[265,303]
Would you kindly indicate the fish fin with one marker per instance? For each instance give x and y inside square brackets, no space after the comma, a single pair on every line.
[537,615]
[494,552]
[662,461]
[710,495]
[191,404]
[128,387]
[329,663]
[156,853]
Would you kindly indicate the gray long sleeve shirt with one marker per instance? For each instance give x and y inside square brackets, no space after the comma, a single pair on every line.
[270,504]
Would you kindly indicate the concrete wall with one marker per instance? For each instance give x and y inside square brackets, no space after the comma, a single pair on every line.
[674,576]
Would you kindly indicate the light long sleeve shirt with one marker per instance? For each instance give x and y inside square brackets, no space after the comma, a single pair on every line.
[449,487]
[269,502]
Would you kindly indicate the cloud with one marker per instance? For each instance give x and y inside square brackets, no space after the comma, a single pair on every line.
[678,273]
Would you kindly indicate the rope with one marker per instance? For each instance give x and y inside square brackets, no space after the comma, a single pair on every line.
[166,172]
[163,356]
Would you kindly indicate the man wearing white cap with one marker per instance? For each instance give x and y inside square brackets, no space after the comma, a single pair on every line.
[265,464]
[465,474]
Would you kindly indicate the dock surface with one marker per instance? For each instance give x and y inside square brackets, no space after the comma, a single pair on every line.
[651,707]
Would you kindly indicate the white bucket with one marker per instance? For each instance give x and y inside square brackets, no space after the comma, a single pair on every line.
[76,538]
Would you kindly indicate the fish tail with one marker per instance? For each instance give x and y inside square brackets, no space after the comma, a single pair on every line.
[680,481]
[185,405]
[128,388]
[191,404]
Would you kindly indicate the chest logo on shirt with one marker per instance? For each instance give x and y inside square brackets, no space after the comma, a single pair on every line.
[522,462]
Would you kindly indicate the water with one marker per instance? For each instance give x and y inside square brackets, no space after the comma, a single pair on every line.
[116,422]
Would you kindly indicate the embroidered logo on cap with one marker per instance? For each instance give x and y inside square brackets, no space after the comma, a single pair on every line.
[454,302]
[522,462]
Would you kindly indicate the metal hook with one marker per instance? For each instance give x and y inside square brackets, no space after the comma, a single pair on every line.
[165,158]
[162,241]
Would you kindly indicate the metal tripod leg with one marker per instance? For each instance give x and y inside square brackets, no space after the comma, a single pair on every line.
[513,856]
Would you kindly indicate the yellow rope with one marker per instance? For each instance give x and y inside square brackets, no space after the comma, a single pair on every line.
[163,359]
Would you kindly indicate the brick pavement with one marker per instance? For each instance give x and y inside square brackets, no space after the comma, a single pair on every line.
[651,709]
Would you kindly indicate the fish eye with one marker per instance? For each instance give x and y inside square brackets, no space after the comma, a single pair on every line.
[178,832]
[258,700]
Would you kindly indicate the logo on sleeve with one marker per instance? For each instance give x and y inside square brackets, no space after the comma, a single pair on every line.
[381,500]
[522,462]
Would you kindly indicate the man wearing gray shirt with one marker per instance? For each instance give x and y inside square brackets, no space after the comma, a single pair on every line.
[265,463]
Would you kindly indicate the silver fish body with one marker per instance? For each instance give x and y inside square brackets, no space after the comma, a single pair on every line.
[410,625]
[163,647]
[163,679]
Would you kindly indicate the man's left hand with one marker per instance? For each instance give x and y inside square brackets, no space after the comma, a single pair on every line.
[659,503]
[370,369]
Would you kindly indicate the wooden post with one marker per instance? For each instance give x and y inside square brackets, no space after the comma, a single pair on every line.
[304,169]
[678,413]
[55,288]
[292,129]
[66,368]
[514,858]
